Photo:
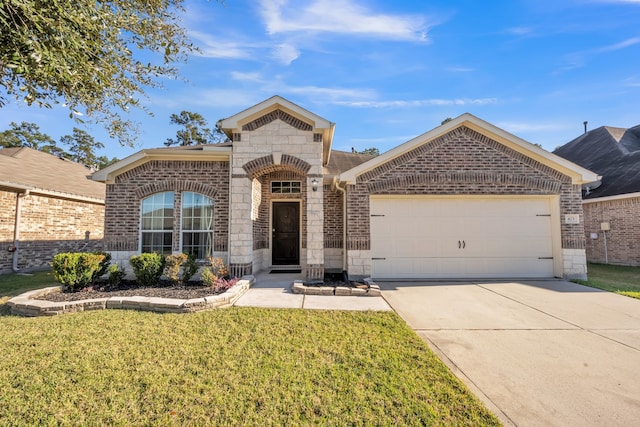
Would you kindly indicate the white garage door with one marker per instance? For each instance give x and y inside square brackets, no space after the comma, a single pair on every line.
[461,238]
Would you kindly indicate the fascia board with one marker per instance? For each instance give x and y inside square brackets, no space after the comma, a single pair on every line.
[578,174]
[109,173]
[275,102]
[610,198]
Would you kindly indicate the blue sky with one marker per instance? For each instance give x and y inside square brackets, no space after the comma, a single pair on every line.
[387,71]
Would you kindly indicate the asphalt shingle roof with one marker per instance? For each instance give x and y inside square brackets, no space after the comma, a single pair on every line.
[26,167]
[341,161]
[613,153]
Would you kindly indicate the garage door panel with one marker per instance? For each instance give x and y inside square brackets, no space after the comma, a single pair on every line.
[440,238]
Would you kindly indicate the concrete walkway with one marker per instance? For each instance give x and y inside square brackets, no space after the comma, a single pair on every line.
[547,353]
[274,291]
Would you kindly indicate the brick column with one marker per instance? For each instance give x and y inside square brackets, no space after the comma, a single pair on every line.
[315,229]
[240,229]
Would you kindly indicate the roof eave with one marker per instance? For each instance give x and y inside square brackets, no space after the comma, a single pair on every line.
[208,153]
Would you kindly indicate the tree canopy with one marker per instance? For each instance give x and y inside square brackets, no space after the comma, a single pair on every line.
[195,130]
[81,144]
[94,57]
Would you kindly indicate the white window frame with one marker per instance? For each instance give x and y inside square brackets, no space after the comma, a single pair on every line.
[290,187]
[210,230]
[143,231]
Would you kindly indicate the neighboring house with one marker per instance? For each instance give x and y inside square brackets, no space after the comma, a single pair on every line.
[612,205]
[47,205]
[465,199]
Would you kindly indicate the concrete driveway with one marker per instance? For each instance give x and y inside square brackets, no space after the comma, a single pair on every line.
[536,352]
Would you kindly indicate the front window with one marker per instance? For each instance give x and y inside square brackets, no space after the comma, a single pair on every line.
[157,223]
[197,225]
[285,187]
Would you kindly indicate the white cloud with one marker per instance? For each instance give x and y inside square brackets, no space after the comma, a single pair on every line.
[621,45]
[419,103]
[332,95]
[286,53]
[215,48]
[246,77]
[520,31]
[340,16]
[521,127]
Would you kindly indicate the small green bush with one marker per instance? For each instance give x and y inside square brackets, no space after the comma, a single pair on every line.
[148,268]
[179,268]
[104,265]
[189,268]
[116,274]
[75,271]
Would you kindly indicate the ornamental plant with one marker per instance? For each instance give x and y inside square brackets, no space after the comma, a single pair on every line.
[148,268]
[75,271]
[179,268]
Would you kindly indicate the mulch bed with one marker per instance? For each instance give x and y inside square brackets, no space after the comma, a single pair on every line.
[131,288]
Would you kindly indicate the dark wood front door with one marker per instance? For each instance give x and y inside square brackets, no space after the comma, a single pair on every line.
[286,233]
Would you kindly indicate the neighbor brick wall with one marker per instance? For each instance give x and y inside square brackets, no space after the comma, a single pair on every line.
[48,226]
[124,197]
[623,240]
[460,162]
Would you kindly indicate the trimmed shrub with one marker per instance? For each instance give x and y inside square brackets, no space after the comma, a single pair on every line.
[179,268]
[116,274]
[172,264]
[148,268]
[216,275]
[75,271]
[189,268]
[104,265]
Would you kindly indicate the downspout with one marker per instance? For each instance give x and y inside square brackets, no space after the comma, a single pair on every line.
[344,223]
[16,230]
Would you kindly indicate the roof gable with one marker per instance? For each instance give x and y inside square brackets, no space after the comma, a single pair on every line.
[578,174]
[276,108]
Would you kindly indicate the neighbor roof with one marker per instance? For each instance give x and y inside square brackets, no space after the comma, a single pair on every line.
[24,168]
[611,152]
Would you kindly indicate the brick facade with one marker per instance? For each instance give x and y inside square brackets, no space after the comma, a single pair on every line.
[461,162]
[623,239]
[211,178]
[48,226]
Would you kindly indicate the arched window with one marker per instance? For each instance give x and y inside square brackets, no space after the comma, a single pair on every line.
[197,225]
[157,223]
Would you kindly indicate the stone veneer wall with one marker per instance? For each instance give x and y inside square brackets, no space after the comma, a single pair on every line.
[274,143]
[460,162]
[623,240]
[122,229]
[48,226]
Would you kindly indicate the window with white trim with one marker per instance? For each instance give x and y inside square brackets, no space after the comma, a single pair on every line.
[157,223]
[285,187]
[197,225]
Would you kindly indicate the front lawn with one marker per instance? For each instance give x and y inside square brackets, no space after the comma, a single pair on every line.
[614,278]
[15,284]
[238,366]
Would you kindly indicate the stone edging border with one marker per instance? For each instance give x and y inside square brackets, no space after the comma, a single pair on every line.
[372,290]
[25,305]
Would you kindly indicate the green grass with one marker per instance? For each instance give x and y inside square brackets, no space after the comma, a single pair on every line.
[15,284]
[614,278]
[238,366]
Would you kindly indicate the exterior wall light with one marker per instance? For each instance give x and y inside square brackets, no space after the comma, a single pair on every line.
[314,184]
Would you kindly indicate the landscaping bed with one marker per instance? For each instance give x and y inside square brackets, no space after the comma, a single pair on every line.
[131,288]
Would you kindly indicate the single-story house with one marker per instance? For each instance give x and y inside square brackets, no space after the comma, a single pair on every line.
[47,205]
[611,205]
[465,199]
